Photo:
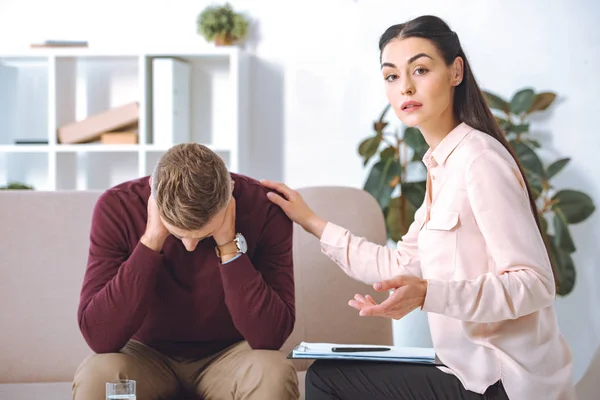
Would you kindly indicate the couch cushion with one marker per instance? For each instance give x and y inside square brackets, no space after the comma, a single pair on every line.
[45,240]
[322,288]
[35,391]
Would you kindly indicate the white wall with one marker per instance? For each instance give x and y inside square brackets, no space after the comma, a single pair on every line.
[320,86]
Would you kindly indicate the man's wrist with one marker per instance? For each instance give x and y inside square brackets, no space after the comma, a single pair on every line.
[228,257]
[222,240]
[153,242]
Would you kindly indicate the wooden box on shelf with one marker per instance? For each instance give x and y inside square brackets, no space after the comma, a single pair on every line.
[119,138]
[90,129]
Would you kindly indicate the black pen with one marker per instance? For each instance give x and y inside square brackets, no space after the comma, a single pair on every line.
[357,349]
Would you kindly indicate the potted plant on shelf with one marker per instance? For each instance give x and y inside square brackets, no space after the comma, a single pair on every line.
[222,25]
[16,186]
[399,198]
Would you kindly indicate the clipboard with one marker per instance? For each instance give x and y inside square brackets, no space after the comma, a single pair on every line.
[324,351]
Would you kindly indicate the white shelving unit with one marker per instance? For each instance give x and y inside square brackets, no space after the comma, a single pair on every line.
[43,89]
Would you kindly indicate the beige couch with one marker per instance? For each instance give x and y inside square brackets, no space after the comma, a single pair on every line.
[44,243]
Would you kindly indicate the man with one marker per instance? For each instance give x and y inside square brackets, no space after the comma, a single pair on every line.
[189,285]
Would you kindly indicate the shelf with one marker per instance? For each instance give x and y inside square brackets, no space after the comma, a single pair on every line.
[162,149]
[24,99]
[30,168]
[93,148]
[221,51]
[24,148]
[44,89]
[94,170]
[96,148]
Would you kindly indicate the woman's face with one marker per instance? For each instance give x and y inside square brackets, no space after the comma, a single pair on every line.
[418,83]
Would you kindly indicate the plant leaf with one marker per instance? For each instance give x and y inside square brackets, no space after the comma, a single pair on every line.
[542,101]
[378,182]
[504,124]
[522,101]
[528,158]
[414,192]
[495,101]
[388,152]
[419,154]
[576,206]
[400,214]
[521,128]
[370,147]
[556,167]
[562,236]
[379,126]
[414,139]
[362,147]
[533,143]
[535,182]
[385,110]
[565,268]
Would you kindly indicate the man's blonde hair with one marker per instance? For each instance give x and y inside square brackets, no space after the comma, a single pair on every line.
[191,185]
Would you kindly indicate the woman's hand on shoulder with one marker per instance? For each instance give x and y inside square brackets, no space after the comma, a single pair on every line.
[409,293]
[294,206]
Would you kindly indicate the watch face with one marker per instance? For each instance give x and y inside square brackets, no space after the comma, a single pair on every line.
[241,242]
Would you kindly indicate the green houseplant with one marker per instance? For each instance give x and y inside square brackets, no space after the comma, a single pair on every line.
[558,208]
[16,186]
[221,24]
[388,181]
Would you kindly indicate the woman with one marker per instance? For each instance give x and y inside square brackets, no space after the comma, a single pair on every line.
[473,259]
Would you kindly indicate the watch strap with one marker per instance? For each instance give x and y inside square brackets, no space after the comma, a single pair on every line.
[227,249]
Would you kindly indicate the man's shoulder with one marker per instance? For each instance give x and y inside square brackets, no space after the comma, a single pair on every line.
[252,200]
[128,192]
[249,186]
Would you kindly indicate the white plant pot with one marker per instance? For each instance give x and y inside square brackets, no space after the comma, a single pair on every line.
[413,329]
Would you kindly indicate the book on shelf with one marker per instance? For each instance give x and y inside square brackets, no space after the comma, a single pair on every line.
[31,141]
[171,94]
[60,43]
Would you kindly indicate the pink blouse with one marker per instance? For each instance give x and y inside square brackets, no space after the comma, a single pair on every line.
[490,285]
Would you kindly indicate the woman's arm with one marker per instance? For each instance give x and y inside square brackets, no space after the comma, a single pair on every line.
[370,262]
[522,282]
[359,258]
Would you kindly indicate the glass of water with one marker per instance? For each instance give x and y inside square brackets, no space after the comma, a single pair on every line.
[120,389]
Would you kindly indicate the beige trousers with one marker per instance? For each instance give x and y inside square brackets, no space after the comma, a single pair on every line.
[237,372]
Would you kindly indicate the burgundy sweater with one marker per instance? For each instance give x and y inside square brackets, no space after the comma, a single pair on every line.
[181,303]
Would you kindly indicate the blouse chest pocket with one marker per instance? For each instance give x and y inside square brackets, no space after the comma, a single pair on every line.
[438,245]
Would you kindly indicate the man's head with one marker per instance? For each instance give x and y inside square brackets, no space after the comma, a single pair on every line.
[192,188]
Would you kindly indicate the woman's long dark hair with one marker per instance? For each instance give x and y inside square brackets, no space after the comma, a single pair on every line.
[470,106]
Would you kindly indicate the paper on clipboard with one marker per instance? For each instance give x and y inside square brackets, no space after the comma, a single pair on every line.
[422,355]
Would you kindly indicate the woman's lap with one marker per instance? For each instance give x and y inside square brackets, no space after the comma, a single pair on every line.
[357,380]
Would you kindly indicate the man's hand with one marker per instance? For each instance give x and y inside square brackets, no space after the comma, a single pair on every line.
[226,233]
[409,293]
[156,233]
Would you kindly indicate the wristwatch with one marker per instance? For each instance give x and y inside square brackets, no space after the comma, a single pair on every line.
[237,245]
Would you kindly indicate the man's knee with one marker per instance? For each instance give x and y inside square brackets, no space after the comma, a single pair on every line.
[93,373]
[270,374]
